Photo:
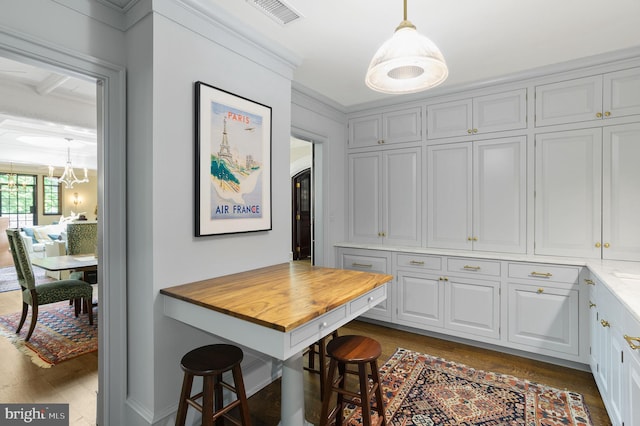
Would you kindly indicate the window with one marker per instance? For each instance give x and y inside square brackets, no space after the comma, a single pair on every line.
[51,198]
[18,201]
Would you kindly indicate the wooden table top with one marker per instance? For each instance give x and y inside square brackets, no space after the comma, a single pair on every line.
[282,296]
[63,263]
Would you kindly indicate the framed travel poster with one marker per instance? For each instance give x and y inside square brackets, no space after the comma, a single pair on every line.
[233,163]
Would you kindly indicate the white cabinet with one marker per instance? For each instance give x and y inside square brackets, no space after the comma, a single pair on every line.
[386,128]
[482,114]
[631,370]
[454,300]
[385,197]
[599,97]
[586,195]
[476,195]
[543,308]
[370,261]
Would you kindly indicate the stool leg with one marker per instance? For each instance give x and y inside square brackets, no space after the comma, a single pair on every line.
[207,400]
[218,397]
[181,417]
[342,371]
[365,396]
[379,401]
[242,396]
[324,413]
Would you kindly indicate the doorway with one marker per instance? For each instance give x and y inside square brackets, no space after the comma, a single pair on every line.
[301,194]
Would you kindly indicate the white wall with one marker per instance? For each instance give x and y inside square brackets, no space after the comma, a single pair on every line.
[165,59]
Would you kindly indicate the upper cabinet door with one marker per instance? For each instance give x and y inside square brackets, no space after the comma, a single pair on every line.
[621,93]
[500,195]
[568,193]
[365,131]
[449,119]
[569,101]
[500,112]
[621,192]
[402,126]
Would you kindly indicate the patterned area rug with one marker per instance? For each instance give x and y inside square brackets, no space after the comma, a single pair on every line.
[419,389]
[59,336]
[9,279]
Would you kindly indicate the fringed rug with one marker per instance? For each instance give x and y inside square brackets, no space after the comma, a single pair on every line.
[59,336]
[419,389]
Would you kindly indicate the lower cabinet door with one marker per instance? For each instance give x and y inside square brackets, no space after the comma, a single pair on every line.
[472,306]
[632,374]
[419,300]
[544,317]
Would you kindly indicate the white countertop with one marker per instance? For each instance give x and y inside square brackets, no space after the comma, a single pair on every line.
[621,277]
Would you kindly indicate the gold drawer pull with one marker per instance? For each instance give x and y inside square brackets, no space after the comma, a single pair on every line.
[471,268]
[605,323]
[591,304]
[417,262]
[589,282]
[361,265]
[542,274]
[540,290]
[630,341]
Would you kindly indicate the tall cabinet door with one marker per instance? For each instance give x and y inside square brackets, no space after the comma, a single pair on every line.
[568,193]
[365,206]
[621,192]
[449,196]
[500,195]
[402,195]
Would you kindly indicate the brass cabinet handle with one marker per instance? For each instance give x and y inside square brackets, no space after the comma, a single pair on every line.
[630,341]
[541,274]
[417,262]
[475,238]
[598,244]
[591,304]
[381,141]
[589,282]
[381,234]
[475,130]
[607,114]
[540,290]
[443,279]
[607,245]
[471,268]
[362,265]
[469,131]
[468,238]
[599,114]
[605,323]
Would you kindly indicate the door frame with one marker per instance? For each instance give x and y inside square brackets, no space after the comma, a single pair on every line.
[111,110]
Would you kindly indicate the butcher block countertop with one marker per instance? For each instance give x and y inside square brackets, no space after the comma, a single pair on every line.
[281,297]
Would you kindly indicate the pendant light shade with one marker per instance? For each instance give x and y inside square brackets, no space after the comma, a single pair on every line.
[406,63]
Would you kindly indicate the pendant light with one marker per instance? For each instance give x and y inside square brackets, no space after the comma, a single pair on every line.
[406,63]
[69,176]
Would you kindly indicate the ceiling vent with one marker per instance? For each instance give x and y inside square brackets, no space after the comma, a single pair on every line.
[277,10]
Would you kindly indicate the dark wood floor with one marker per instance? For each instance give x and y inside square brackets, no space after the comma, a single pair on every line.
[265,405]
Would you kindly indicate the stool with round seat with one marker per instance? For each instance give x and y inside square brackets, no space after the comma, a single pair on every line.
[319,348]
[210,362]
[347,351]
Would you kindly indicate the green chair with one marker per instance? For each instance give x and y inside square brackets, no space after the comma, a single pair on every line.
[43,294]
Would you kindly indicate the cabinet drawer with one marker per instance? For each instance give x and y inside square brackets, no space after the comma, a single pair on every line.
[370,299]
[474,266]
[419,262]
[563,274]
[364,263]
[315,327]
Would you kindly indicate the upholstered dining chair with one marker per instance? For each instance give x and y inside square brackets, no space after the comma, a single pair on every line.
[35,295]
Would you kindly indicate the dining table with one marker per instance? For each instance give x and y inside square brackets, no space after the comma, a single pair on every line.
[279,311]
[83,262]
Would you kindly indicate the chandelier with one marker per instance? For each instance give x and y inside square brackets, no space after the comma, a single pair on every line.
[12,182]
[406,63]
[69,176]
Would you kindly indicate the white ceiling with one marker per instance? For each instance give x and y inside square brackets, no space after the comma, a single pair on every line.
[480,40]
[334,41]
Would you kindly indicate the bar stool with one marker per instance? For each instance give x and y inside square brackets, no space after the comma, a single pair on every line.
[319,348]
[350,350]
[210,362]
